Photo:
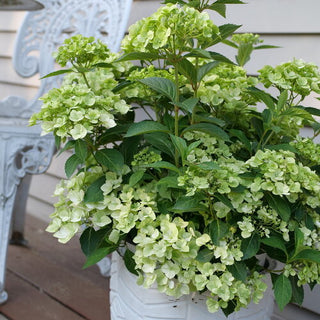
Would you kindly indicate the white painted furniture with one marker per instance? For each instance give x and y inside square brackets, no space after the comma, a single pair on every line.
[22,149]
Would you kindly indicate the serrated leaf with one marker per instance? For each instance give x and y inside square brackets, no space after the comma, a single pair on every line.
[250,246]
[163,86]
[262,96]
[162,165]
[205,69]
[208,128]
[57,73]
[275,242]
[266,46]
[81,149]
[282,291]
[280,205]
[230,1]
[297,291]
[313,111]
[209,119]
[284,146]
[121,86]
[226,30]
[102,65]
[308,255]
[135,178]
[138,56]
[69,145]
[238,270]
[188,204]
[146,126]
[57,141]
[187,69]
[244,52]
[267,117]
[160,141]
[129,262]
[217,230]
[283,98]
[71,165]
[242,137]
[110,158]
[188,104]
[201,53]
[98,255]
[91,240]
[94,192]
[218,7]
[205,255]
[180,144]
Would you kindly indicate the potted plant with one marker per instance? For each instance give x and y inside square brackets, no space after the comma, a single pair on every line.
[198,195]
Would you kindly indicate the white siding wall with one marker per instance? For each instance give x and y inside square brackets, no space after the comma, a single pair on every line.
[291,24]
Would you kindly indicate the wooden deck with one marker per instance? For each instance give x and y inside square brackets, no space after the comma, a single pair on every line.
[45,281]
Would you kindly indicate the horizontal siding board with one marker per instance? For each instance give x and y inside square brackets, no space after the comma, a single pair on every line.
[8,74]
[7,38]
[39,208]
[8,89]
[11,20]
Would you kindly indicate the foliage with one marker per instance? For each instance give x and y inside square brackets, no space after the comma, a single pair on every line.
[207,183]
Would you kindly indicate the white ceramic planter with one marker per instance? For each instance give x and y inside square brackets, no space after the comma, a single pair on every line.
[132,302]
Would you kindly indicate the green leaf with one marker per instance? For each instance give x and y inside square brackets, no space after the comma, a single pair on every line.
[275,242]
[135,178]
[313,111]
[110,158]
[188,204]
[244,52]
[81,150]
[163,86]
[242,137]
[201,53]
[226,30]
[69,145]
[210,129]
[218,7]
[180,144]
[162,165]
[188,104]
[250,246]
[266,98]
[298,240]
[209,119]
[205,69]
[57,141]
[121,85]
[138,56]
[308,255]
[91,239]
[217,230]
[205,255]
[267,117]
[146,126]
[94,192]
[266,46]
[282,291]
[57,73]
[102,65]
[71,165]
[187,69]
[239,270]
[160,141]
[297,292]
[129,262]
[230,1]
[129,147]
[280,205]
[99,254]
[219,57]
[283,98]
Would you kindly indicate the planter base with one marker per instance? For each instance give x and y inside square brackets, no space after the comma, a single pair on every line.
[130,301]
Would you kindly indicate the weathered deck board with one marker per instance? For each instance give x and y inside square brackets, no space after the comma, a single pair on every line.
[46,282]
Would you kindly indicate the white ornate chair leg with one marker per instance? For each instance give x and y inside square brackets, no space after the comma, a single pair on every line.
[21,152]
[19,212]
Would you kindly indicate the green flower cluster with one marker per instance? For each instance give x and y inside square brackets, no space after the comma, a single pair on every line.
[122,205]
[297,76]
[171,28]
[81,51]
[224,89]
[75,110]
[249,38]
[308,150]
[166,252]
[145,156]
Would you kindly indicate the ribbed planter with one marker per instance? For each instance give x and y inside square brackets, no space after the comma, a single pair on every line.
[132,302]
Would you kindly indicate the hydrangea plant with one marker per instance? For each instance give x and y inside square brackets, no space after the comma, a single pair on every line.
[208,184]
